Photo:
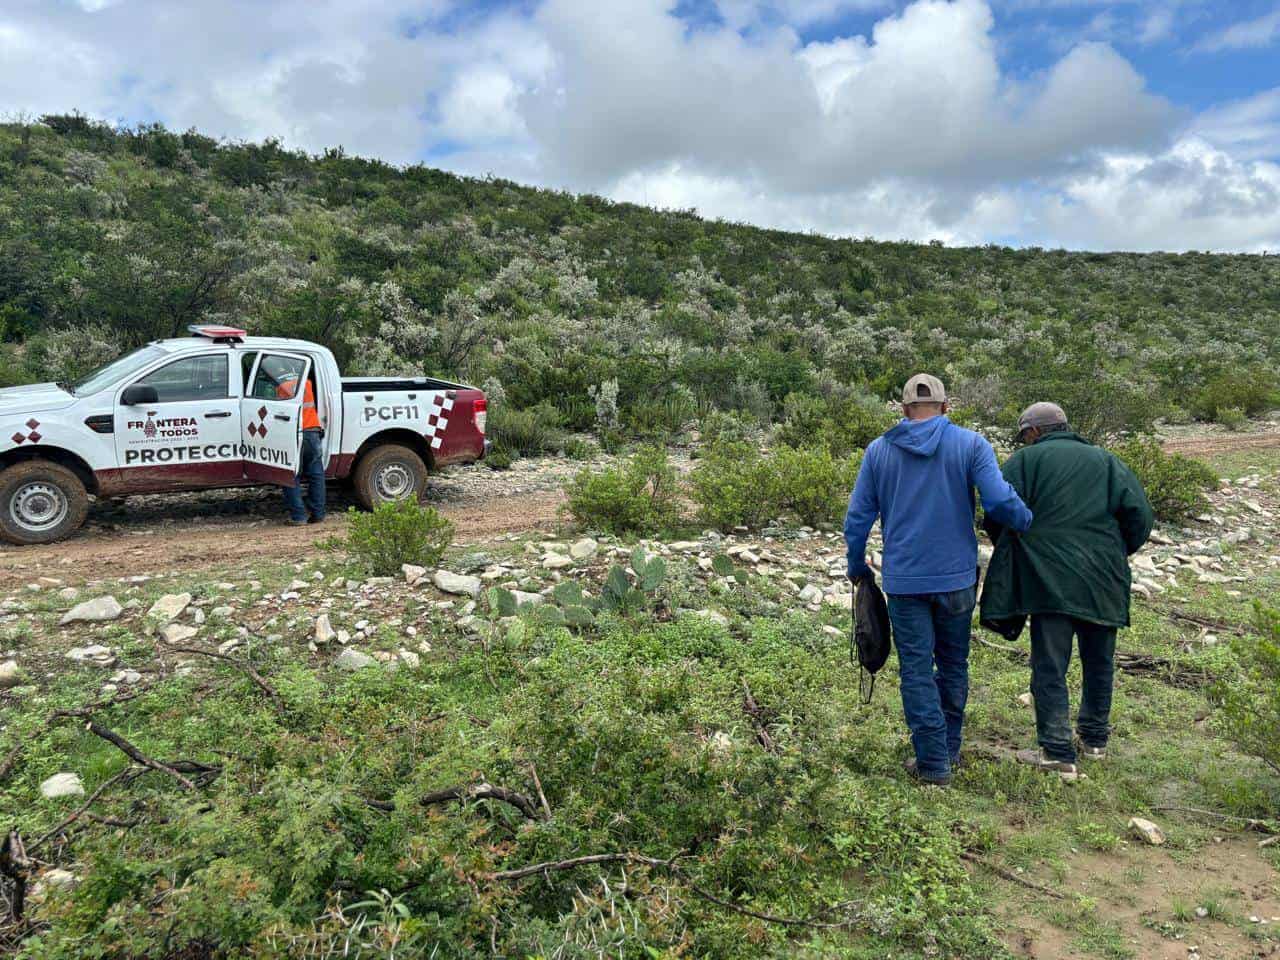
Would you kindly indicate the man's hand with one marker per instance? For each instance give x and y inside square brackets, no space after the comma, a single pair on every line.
[861,573]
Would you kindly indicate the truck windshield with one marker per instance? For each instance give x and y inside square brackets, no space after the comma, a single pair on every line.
[115,371]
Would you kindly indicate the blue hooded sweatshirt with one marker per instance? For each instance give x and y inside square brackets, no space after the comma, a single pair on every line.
[918,479]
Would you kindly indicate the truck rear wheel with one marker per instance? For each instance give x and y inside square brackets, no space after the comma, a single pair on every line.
[388,474]
[40,502]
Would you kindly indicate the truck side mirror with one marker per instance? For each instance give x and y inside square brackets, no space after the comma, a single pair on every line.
[139,394]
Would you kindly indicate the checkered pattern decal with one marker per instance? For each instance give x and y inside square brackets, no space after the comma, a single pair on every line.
[259,429]
[438,419]
[32,437]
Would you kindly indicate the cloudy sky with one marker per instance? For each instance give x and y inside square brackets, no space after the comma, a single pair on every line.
[1144,124]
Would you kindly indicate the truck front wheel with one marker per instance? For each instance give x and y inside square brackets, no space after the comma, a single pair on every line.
[40,502]
[389,473]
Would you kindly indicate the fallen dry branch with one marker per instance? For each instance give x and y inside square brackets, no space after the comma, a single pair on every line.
[243,665]
[1009,875]
[1250,823]
[136,755]
[554,866]
[483,791]
[542,797]
[88,709]
[758,719]
[16,865]
[1208,623]
[127,773]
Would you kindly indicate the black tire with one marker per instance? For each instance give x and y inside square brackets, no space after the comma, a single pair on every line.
[388,474]
[40,502]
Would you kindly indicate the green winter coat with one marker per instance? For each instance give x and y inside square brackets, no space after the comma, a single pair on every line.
[1090,514]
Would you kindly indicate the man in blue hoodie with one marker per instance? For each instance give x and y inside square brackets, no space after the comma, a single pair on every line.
[919,479]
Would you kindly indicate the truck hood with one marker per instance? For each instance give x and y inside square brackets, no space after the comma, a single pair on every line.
[36,398]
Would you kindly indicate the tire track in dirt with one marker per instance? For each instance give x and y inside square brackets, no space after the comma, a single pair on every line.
[151,542]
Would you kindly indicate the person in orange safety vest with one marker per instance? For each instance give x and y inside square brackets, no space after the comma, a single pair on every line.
[311,469]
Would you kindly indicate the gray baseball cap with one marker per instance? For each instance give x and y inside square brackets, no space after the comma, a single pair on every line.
[924,388]
[1041,414]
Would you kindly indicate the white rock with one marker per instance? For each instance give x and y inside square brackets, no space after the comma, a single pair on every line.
[94,654]
[62,785]
[296,586]
[69,594]
[98,610]
[413,574]
[721,743]
[584,549]
[811,594]
[1146,831]
[714,616]
[524,599]
[169,607]
[222,613]
[324,632]
[835,632]
[556,561]
[353,660]
[1025,699]
[457,583]
[409,658]
[10,674]
[126,676]
[176,633]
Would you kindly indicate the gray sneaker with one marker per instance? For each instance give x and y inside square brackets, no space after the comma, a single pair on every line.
[1087,752]
[1037,758]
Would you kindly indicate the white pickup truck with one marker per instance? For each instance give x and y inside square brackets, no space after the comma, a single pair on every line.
[219,409]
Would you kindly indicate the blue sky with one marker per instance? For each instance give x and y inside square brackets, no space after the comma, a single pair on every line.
[1146,124]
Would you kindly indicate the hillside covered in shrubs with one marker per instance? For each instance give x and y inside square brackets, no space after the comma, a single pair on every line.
[587,313]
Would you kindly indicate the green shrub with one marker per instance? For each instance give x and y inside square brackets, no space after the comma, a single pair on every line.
[812,484]
[1233,418]
[720,426]
[733,486]
[638,496]
[533,432]
[1249,703]
[664,416]
[576,448]
[1175,485]
[840,425]
[1249,391]
[394,534]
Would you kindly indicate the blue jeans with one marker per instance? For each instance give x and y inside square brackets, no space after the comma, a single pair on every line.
[931,634]
[1051,636]
[312,471]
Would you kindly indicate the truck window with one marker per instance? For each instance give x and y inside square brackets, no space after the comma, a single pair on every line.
[192,378]
[277,378]
[115,371]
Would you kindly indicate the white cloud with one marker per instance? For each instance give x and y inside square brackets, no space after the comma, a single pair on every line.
[1192,197]
[1262,32]
[1249,128]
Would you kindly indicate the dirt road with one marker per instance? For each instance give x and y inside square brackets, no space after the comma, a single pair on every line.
[1208,446]
[227,530]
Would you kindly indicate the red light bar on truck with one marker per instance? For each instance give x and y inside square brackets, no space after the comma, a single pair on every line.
[217,333]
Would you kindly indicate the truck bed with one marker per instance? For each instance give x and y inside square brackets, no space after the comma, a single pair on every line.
[380,384]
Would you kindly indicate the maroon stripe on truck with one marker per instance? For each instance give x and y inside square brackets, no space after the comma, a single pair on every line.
[461,441]
[176,476]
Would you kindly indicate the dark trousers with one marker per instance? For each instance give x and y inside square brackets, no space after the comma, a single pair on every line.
[1051,636]
[931,634]
[311,470]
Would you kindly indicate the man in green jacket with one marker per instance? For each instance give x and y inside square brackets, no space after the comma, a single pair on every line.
[1070,573]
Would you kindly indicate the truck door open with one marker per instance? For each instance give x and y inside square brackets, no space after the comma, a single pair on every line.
[271,418]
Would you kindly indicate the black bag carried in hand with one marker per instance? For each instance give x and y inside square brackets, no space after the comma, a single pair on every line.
[871,639]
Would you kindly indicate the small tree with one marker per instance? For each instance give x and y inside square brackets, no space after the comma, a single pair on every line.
[1249,703]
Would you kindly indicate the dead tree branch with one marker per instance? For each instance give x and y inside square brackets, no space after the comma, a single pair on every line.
[15,752]
[542,797]
[1009,875]
[758,719]
[16,865]
[554,866]
[244,665]
[136,755]
[1250,823]
[127,773]
[483,791]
